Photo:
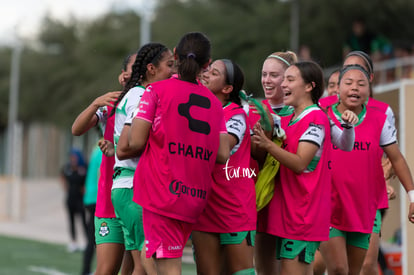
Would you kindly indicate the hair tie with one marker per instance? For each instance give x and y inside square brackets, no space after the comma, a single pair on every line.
[280,58]
[191,55]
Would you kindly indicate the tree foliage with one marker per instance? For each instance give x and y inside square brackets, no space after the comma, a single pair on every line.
[71,63]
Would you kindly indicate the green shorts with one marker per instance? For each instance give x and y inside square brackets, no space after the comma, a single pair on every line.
[238,237]
[356,239]
[108,230]
[290,249]
[377,223]
[130,215]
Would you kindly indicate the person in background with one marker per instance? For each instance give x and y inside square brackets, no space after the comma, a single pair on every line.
[363,39]
[332,90]
[304,53]
[89,200]
[109,237]
[333,81]
[73,175]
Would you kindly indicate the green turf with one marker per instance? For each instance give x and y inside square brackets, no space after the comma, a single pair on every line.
[20,256]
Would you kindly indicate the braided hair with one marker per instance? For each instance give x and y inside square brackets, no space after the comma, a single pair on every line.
[150,53]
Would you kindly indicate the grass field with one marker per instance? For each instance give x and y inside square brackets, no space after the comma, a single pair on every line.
[27,257]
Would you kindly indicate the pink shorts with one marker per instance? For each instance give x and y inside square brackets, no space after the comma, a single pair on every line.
[164,237]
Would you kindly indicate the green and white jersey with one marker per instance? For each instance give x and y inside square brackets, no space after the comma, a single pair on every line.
[124,169]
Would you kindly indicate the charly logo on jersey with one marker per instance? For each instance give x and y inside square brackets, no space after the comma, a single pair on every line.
[233,172]
[195,125]
[178,188]
[103,229]
[188,150]
[175,247]
[358,146]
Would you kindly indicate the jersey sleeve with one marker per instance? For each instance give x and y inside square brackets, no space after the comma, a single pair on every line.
[388,134]
[314,134]
[132,104]
[147,106]
[236,126]
[102,114]
[390,116]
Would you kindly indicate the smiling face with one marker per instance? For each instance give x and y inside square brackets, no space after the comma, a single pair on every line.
[353,90]
[295,90]
[165,68]
[215,77]
[272,77]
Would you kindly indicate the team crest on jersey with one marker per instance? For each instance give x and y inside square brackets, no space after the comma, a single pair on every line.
[104,229]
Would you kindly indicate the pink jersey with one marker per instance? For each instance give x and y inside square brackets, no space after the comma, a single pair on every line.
[231,206]
[327,101]
[104,207]
[381,106]
[372,103]
[300,207]
[357,187]
[174,175]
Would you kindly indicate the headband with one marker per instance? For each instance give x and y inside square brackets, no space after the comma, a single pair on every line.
[353,67]
[280,58]
[229,70]
[365,57]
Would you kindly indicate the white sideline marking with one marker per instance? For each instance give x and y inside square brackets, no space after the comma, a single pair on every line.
[46,270]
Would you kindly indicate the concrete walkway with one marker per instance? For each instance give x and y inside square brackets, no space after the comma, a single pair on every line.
[43,216]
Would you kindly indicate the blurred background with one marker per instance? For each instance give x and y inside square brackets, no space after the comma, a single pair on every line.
[68,57]
[55,58]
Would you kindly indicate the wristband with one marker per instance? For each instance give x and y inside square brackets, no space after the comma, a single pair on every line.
[411,196]
[346,125]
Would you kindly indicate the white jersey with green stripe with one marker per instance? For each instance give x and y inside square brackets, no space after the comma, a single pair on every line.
[123,115]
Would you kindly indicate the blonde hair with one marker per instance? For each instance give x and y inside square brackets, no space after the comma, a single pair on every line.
[287,58]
